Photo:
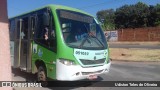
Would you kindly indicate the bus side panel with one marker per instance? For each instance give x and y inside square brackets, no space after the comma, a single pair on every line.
[42,54]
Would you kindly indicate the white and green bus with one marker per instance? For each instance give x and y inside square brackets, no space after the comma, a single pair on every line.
[60,43]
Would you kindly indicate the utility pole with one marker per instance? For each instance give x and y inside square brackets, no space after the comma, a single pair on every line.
[5,63]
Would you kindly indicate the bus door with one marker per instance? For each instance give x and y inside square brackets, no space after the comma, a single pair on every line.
[22,43]
[32,25]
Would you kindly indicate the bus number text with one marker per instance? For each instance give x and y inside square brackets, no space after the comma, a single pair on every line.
[82,53]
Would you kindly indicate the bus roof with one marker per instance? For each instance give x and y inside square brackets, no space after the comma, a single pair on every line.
[54,7]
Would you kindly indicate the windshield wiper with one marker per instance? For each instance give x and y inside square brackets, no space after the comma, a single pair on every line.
[89,34]
[80,46]
[98,40]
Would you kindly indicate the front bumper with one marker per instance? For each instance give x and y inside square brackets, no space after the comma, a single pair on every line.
[76,72]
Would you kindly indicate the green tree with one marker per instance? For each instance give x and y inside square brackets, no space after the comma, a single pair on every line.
[122,16]
[107,18]
[132,16]
[152,16]
[157,15]
[141,13]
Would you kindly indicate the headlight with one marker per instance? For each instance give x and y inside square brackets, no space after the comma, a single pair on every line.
[67,62]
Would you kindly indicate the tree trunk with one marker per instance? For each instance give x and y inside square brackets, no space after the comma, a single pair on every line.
[5,64]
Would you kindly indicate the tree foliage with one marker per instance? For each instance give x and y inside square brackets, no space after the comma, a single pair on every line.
[131,16]
[107,17]
[157,14]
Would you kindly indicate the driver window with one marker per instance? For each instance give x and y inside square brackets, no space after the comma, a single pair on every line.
[45,31]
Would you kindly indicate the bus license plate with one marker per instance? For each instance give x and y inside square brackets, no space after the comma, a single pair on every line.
[92,77]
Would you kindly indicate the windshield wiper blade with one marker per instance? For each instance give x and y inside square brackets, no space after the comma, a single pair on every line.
[80,46]
[89,35]
[98,40]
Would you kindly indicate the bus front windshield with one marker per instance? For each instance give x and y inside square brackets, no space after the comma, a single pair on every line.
[81,30]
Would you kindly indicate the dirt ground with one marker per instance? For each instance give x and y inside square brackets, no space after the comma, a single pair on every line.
[135,54]
[136,43]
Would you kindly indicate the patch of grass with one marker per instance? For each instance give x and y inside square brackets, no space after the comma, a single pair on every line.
[135,54]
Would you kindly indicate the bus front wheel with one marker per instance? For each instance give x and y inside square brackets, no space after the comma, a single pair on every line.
[41,75]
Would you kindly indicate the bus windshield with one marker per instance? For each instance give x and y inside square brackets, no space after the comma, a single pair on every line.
[81,30]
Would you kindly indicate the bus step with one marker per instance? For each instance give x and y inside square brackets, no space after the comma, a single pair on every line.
[23,69]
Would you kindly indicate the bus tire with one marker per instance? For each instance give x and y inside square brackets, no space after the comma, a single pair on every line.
[42,76]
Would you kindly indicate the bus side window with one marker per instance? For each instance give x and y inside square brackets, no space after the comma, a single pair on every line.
[33,26]
[45,30]
[12,29]
[39,28]
[52,34]
[25,28]
[18,29]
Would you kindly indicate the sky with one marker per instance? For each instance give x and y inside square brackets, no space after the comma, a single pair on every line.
[16,7]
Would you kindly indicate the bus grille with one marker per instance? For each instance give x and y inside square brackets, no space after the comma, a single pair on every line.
[91,62]
[87,73]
